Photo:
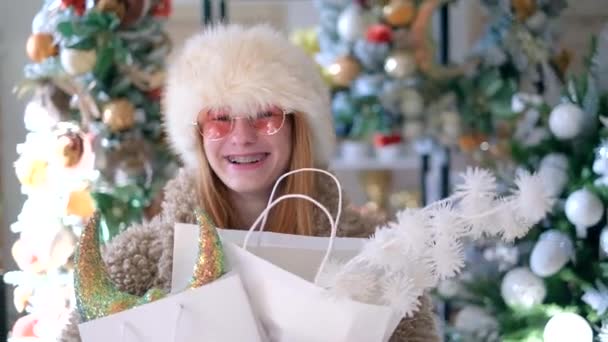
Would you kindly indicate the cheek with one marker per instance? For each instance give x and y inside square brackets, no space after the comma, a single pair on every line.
[211,152]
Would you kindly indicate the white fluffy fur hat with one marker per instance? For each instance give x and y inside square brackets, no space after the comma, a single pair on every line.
[243,69]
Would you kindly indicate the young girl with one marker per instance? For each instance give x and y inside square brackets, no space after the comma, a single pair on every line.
[242,106]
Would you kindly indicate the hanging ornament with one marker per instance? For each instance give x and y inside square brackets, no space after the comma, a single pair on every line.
[583,209]
[399,12]
[412,103]
[41,46]
[379,33]
[69,148]
[567,326]
[521,288]
[566,121]
[77,62]
[79,6]
[400,64]
[353,23]
[600,164]
[344,70]
[550,253]
[554,170]
[119,115]
[523,9]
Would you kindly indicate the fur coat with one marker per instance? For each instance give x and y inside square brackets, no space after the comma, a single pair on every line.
[141,257]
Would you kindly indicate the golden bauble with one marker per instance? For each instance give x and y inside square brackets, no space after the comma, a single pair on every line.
[40,46]
[69,148]
[523,9]
[344,71]
[119,115]
[400,64]
[399,12]
[117,7]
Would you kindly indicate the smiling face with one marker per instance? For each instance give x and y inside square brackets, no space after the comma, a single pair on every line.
[246,159]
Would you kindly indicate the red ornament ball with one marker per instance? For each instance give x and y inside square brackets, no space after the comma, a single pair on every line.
[379,33]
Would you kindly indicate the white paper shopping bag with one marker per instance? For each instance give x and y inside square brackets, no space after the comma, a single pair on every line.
[289,307]
[305,252]
[208,313]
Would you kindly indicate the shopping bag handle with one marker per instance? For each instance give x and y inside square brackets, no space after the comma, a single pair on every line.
[306,169]
[315,202]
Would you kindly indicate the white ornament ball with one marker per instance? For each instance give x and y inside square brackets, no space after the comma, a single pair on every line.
[521,288]
[567,327]
[473,319]
[353,23]
[77,62]
[584,209]
[566,121]
[412,103]
[554,173]
[555,160]
[550,253]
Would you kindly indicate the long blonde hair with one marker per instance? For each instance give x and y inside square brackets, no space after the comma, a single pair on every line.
[291,216]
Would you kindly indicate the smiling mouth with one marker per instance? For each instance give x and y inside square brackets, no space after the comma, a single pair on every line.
[247,159]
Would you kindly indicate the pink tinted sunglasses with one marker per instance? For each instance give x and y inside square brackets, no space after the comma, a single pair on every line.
[215,124]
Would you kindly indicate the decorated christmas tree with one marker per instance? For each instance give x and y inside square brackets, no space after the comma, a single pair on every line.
[518,52]
[551,284]
[94,142]
[381,62]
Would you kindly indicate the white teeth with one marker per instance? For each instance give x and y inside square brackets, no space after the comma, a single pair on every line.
[254,158]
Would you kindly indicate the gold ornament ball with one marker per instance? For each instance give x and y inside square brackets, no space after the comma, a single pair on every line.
[400,64]
[343,71]
[119,115]
[40,46]
[399,12]
[70,148]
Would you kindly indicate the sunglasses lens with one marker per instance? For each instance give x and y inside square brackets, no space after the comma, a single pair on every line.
[215,125]
[270,121]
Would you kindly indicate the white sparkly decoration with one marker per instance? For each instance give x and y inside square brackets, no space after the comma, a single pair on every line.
[424,247]
[567,327]
[521,288]
[584,209]
[597,298]
[554,172]
[566,121]
[550,253]
[78,62]
[353,23]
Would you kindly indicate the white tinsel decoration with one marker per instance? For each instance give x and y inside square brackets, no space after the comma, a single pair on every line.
[405,258]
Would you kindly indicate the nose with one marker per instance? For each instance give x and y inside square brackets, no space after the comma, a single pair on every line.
[243,133]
